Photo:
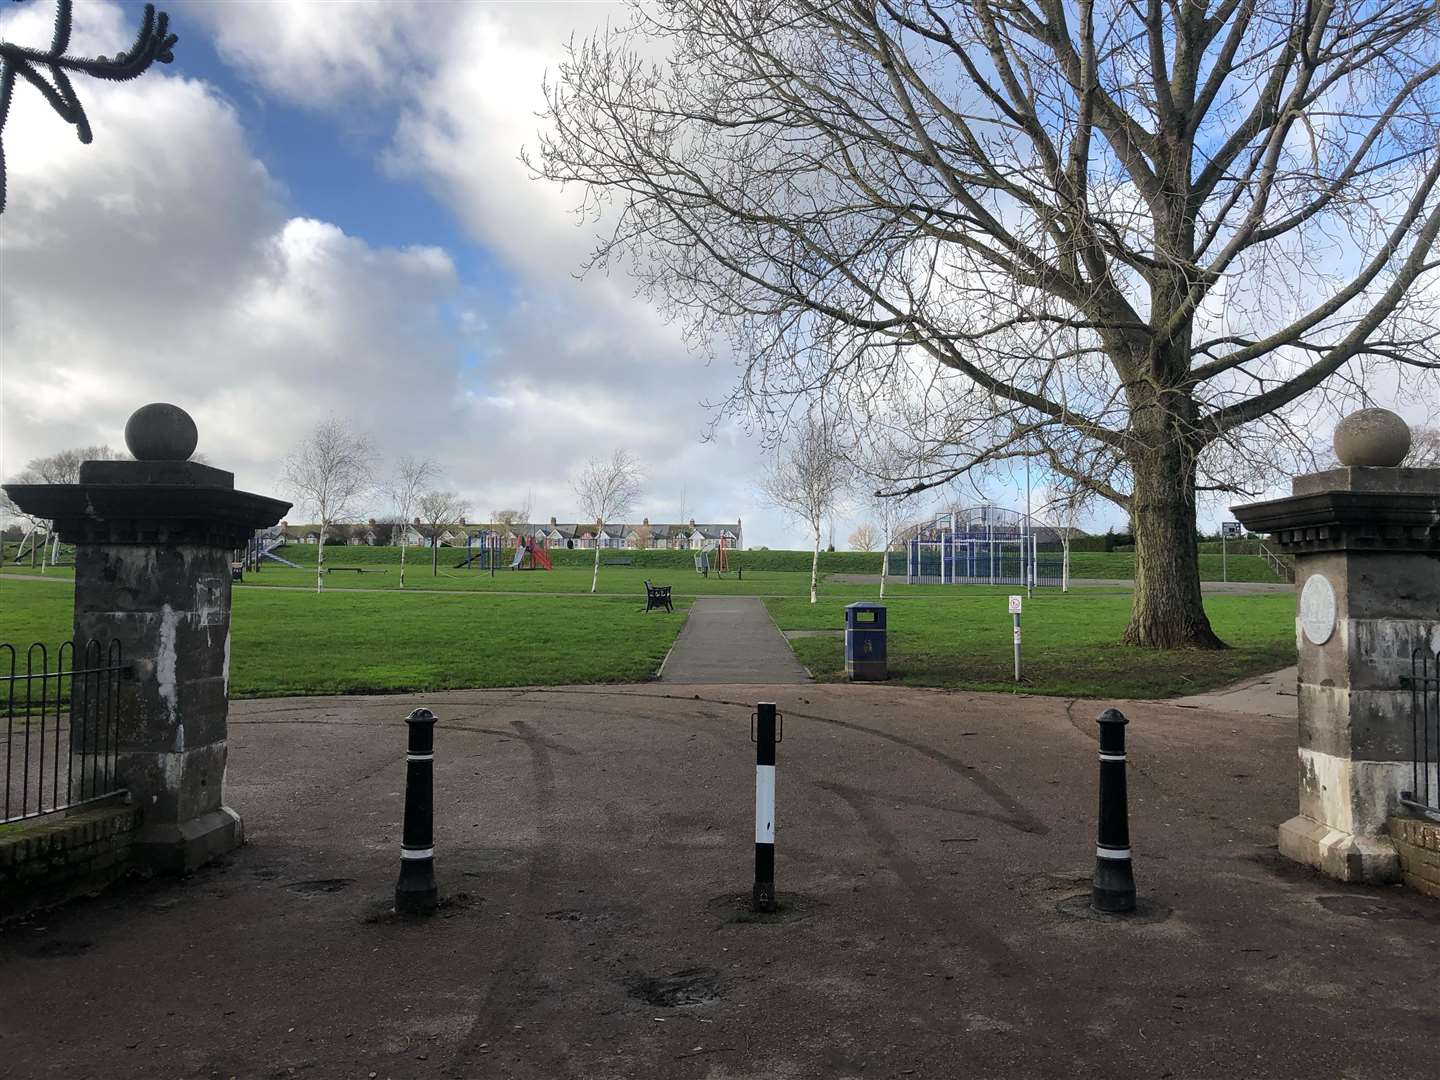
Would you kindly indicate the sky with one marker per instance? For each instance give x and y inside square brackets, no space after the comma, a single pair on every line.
[319,210]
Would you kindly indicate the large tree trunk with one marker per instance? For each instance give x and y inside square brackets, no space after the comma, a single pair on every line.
[1168,611]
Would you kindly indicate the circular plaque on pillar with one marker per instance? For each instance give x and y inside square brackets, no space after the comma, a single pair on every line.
[1317,609]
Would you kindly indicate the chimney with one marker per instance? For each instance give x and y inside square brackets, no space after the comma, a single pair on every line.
[552,523]
[369,521]
[692,523]
[417,521]
[645,521]
[462,519]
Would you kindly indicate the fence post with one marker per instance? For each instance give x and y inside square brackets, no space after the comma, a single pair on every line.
[415,891]
[1114,886]
[763,896]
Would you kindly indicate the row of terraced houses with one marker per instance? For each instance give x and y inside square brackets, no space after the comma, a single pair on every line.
[693,536]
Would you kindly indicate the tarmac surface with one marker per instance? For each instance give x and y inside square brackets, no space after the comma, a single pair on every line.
[731,640]
[595,849]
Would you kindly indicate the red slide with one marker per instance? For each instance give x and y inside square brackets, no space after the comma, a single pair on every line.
[539,556]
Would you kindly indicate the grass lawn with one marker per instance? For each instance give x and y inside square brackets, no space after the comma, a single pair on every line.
[299,643]
[962,639]
[295,642]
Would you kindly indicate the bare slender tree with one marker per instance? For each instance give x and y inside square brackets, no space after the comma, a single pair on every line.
[808,478]
[412,475]
[607,488]
[864,537]
[59,468]
[439,510]
[1145,242]
[330,474]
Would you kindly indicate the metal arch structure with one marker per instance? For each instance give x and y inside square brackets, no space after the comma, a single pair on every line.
[984,545]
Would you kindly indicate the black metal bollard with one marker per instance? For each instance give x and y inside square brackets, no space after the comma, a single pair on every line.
[415,892]
[1114,887]
[764,734]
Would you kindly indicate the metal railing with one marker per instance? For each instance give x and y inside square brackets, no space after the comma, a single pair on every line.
[1283,567]
[1423,682]
[61,725]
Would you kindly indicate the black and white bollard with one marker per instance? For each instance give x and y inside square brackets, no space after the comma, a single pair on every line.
[1114,887]
[765,735]
[415,892]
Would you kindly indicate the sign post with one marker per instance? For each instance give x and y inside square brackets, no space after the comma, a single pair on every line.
[1015,615]
[1228,530]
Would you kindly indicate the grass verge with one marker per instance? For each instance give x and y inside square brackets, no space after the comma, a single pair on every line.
[1070,645]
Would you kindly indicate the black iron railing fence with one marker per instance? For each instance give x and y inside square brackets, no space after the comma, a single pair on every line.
[61,725]
[1423,683]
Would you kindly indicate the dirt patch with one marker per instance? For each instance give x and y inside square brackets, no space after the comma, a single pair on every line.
[735,909]
[692,986]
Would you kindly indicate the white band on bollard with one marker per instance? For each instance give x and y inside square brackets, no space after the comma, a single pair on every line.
[765,804]
[1112,757]
[1112,853]
[419,757]
[417,853]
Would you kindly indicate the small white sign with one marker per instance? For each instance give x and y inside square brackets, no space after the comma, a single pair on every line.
[1317,609]
[1017,635]
[1015,604]
[1230,529]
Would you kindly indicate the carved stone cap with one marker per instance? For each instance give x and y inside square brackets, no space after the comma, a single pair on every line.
[1353,509]
[161,498]
[149,513]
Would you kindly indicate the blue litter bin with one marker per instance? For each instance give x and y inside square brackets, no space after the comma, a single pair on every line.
[865,642]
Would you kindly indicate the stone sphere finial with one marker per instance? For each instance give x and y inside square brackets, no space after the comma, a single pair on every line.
[1372,437]
[161,432]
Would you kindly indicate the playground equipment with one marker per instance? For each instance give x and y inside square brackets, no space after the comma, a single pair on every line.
[531,556]
[721,564]
[984,545]
[486,553]
[47,543]
[267,546]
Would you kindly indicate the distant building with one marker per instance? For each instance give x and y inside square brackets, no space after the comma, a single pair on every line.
[643,534]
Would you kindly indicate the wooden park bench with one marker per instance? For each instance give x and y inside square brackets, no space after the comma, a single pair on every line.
[657,596]
[618,562]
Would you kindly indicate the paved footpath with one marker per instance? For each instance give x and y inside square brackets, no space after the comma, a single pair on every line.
[731,640]
[596,847]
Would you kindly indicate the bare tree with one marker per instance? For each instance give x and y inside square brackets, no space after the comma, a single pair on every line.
[866,537]
[439,510]
[607,488]
[808,478]
[1139,241]
[1424,449]
[330,474]
[411,477]
[59,468]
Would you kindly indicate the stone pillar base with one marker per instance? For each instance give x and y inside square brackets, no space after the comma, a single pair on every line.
[171,848]
[1344,856]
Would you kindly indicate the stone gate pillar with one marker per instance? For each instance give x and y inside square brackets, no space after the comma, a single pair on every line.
[153,540]
[1366,542]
